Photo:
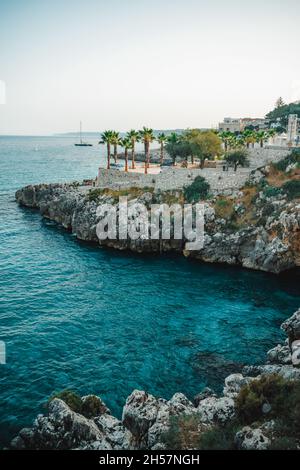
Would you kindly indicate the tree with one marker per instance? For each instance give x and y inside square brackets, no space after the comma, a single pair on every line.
[134,136]
[249,137]
[147,137]
[279,103]
[261,137]
[181,149]
[226,136]
[116,141]
[107,138]
[280,115]
[174,138]
[236,158]
[204,144]
[161,139]
[199,189]
[127,144]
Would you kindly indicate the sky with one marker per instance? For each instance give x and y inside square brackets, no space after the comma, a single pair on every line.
[165,64]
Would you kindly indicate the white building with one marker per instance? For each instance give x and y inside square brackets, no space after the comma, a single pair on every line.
[292,130]
[239,124]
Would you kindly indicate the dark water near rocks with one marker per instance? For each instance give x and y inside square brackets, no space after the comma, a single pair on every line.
[76,316]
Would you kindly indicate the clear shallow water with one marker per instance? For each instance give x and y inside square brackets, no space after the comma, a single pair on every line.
[97,321]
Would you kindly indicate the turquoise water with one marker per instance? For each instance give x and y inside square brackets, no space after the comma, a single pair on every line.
[99,321]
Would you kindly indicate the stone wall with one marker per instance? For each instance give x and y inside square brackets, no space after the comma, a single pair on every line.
[172,178]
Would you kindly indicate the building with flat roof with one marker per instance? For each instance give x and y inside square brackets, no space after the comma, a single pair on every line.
[239,124]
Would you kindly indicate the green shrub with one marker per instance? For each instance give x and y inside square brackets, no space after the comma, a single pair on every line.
[271,191]
[187,432]
[94,194]
[199,189]
[237,158]
[184,432]
[284,443]
[218,438]
[294,157]
[92,406]
[270,390]
[292,189]
[72,399]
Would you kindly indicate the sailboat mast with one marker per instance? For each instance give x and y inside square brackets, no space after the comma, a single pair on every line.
[80,132]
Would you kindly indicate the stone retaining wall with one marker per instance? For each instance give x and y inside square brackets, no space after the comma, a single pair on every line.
[172,178]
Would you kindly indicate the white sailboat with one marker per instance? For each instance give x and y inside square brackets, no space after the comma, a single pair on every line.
[81,143]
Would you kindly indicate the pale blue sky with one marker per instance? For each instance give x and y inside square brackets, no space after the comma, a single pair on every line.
[161,63]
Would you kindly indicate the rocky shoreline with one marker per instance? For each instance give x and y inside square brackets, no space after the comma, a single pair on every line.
[252,227]
[256,226]
[147,420]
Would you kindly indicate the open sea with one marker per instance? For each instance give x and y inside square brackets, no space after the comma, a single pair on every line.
[99,321]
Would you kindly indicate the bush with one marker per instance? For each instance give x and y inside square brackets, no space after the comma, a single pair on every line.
[72,399]
[218,438]
[292,189]
[271,191]
[273,390]
[236,158]
[294,157]
[199,189]
[184,433]
[92,406]
[187,432]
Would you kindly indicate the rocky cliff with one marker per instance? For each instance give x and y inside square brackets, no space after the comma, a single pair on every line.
[256,226]
[148,422]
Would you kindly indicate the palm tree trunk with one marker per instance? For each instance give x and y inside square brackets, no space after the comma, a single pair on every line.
[161,153]
[192,159]
[108,155]
[126,160]
[146,157]
[226,145]
[202,164]
[133,157]
[115,153]
[261,143]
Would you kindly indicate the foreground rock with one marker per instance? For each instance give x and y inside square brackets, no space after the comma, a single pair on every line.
[146,420]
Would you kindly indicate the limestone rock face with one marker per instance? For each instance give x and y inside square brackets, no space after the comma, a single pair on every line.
[286,371]
[176,406]
[292,327]
[61,429]
[251,439]
[214,410]
[115,432]
[234,383]
[270,245]
[295,347]
[281,354]
[139,413]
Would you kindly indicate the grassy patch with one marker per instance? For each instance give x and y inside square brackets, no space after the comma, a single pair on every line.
[223,207]
[172,197]
[131,193]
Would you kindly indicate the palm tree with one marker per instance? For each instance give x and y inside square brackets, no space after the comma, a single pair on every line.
[173,139]
[226,137]
[127,144]
[249,137]
[107,138]
[116,141]
[161,139]
[147,137]
[271,133]
[134,137]
[261,137]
